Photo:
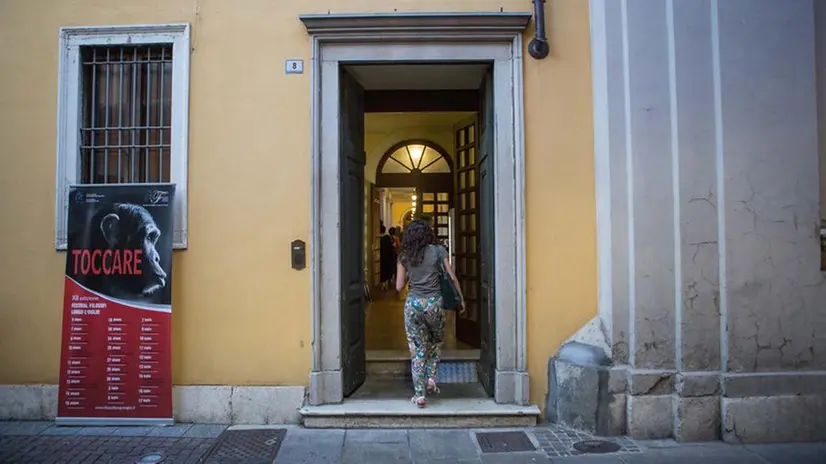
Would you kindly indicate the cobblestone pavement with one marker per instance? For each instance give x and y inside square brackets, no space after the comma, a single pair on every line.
[75,449]
[42,442]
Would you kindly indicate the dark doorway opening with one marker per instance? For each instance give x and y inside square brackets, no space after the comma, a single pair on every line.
[453,188]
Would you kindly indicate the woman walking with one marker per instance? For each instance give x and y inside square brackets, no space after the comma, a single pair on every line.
[424,318]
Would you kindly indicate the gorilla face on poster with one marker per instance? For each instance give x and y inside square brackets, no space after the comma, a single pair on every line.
[119,248]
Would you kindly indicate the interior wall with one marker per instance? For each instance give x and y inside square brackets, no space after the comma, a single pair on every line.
[400,206]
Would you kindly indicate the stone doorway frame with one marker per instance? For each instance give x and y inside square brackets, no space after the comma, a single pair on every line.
[420,37]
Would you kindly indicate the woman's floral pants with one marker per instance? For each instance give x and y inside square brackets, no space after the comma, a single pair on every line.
[424,323]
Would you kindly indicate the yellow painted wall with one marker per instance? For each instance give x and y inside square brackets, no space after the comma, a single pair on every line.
[399,208]
[241,314]
[560,190]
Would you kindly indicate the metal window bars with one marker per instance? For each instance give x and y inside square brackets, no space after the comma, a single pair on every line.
[125,133]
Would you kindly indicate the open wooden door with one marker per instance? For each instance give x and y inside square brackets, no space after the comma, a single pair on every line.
[466,248]
[487,310]
[353,159]
[375,225]
[435,204]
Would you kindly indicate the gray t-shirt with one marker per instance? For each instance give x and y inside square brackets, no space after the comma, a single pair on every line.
[424,278]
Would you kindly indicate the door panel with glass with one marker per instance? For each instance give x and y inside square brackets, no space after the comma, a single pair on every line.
[467,236]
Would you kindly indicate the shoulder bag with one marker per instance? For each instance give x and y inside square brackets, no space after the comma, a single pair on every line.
[450,295]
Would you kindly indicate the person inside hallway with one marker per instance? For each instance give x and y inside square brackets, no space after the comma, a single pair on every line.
[424,317]
[387,258]
[394,234]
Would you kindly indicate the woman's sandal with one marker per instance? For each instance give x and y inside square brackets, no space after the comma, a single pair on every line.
[420,401]
[432,388]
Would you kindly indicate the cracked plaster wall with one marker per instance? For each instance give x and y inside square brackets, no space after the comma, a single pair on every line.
[667,130]
[776,292]
[698,196]
[650,130]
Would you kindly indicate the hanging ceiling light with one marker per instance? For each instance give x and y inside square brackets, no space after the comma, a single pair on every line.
[416,153]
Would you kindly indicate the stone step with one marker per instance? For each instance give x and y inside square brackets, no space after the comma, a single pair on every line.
[401,413]
[383,401]
[388,367]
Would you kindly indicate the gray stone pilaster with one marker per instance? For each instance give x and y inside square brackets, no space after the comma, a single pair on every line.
[698,314]
[775,289]
[649,126]
[708,169]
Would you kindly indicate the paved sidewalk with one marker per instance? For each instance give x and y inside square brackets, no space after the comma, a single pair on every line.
[42,442]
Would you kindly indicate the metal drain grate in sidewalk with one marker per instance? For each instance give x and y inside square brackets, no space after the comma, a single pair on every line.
[558,441]
[247,446]
[596,446]
[504,442]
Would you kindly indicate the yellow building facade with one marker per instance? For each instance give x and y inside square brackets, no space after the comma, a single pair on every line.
[655,196]
[242,315]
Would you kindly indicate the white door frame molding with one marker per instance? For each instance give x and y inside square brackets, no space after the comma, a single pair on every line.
[423,37]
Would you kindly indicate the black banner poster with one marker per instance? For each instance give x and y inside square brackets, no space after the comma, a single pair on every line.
[115,365]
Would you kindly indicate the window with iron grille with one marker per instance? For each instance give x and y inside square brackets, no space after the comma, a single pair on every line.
[123,104]
[125,131]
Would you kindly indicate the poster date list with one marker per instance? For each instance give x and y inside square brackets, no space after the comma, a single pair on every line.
[116,361]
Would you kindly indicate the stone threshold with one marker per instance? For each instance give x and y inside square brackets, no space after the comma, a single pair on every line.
[401,413]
